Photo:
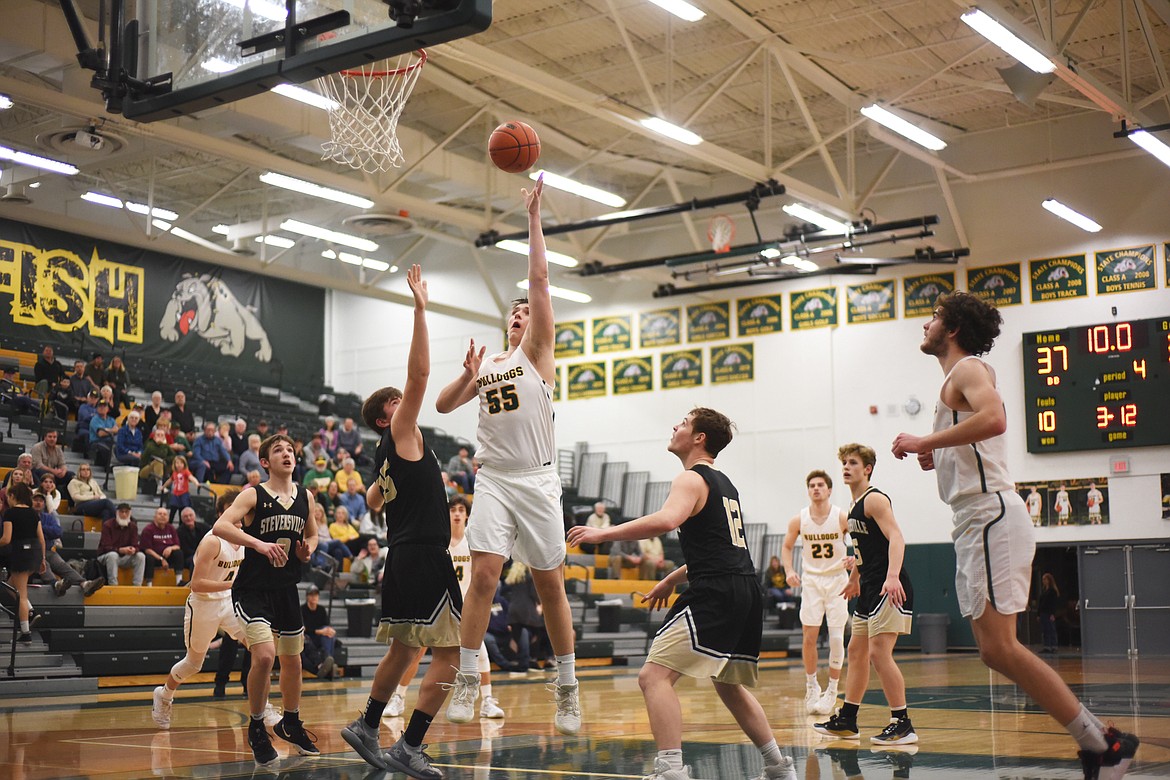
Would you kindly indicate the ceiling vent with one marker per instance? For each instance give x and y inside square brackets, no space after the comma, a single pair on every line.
[16,195]
[379,224]
[82,144]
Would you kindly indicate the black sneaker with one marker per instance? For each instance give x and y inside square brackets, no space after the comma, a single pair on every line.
[261,745]
[837,726]
[24,639]
[1114,762]
[899,731]
[844,754]
[219,691]
[291,729]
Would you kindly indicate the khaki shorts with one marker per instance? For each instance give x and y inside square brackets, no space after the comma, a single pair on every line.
[443,631]
[887,619]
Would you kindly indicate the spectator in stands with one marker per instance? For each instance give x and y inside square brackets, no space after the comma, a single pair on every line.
[262,428]
[325,541]
[48,489]
[320,475]
[449,485]
[498,638]
[239,439]
[524,615]
[153,411]
[12,394]
[181,482]
[128,444]
[623,555]
[343,531]
[85,413]
[224,432]
[315,450]
[349,438]
[330,499]
[119,546]
[118,378]
[179,442]
[347,472]
[320,637]
[775,583]
[370,563]
[599,519]
[18,476]
[461,471]
[353,500]
[106,393]
[80,384]
[47,372]
[157,457]
[654,565]
[329,436]
[252,479]
[300,469]
[24,462]
[60,400]
[26,556]
[181,414]
[160,542]
[191,533]
[48,458]
[249,459]
[96,370]
[88,498]
[102,432]
[212,461]
[59,574]
[373,524]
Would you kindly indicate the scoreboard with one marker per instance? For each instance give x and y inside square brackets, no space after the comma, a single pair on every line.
[1098,386]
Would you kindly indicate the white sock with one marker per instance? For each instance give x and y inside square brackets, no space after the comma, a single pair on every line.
[811,680]
[486,690]
[469,661]
[673,758]
[771,754]
[168,694]
[401,691]
[567,671]
[24,627]
[832,685]
[1088,731]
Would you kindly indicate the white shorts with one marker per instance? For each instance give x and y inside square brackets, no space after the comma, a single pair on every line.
[994,545]
[517,514]
[204,618]
[820,598]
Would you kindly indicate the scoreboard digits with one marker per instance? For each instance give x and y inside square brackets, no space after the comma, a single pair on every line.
[1098,387]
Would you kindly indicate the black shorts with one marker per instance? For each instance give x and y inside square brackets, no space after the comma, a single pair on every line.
[418,581]
[870,600]
[271,615]
[25,556]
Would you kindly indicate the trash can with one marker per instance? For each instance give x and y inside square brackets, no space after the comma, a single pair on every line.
[126,482]
[932,630]
[361,614]
[609,617]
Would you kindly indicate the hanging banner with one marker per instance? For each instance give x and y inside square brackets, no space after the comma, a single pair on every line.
[586,380]
[1058,277]
[759,315]
[612,334]
[98,296]
[732,363]
[1125,270]
[1166,264]
[660,328]
[682,368]
[709,321]
[869,302]
[559,389]
[813,308]
[570,339]
[633,375]
[996,284]
[921,292]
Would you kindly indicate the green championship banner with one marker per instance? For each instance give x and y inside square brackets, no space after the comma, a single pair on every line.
[921,292]
[660,328]
[586,380]
[570,339]
[682,368]
[1125,270]
[813,308]
[869,302]
[633,375]
[1054,278]
[709,321]
[559,389]
[732,363]
[759,315]
[996,284]
[612,334]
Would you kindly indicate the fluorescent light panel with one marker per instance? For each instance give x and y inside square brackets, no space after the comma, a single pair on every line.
[577,188]
[1151,144]
[316,190]
[520,248]
[5,102]
[352,259]
[904,128]
[816,218]
[102,199]
[662,127]
[1069,215]
[277,241]
[36,161]
[217,65]
[560,292]
[220,229]
[1007,40]
[332,236]
[306,96]
[681,9]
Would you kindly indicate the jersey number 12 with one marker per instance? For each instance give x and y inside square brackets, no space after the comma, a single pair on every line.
[734,522]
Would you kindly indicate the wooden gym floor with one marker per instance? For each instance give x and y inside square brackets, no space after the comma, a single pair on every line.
[971,723]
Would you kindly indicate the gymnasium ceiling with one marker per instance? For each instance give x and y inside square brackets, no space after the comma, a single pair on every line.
[772,86]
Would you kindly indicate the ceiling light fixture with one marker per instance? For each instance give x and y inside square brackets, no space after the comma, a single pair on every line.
[662,127]
[36,161]
[220,229]
[904,128]
[771,253]
[1151,144]
[1069,215]
[316,190]
[560,292]
[102,199]
[683,10]
[816,218]
[5,102]
[366,262]
[277,241]
[178,232]
[217,65]
[577,188]
[332,236]
[1007,40]
[306,96]
[520,248]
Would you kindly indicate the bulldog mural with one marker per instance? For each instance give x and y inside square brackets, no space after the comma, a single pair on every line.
[205,306]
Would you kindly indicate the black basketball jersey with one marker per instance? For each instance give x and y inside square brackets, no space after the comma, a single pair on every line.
[416,501]
[713,541]
[871,545]
[273,522]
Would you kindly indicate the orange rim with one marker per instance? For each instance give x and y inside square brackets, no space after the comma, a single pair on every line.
[381,74]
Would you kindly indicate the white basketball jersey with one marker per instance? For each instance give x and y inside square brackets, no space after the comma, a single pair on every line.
[1034,504]
[1094,498]
[461,560]
[515,414]
[822,545]
[225,564]
[969,469]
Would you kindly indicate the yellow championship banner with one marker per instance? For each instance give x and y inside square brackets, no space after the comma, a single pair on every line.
[586,380]
[920,292]
[570,339]
[870,302]
[759,315]
[1125,270]
[709,321]
[1054,278]
[813,308]
[997,284]
[612,334]
[681,368]
[633,375]
[660,328]
[733,363]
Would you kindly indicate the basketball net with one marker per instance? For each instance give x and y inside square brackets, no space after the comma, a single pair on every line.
[364,111]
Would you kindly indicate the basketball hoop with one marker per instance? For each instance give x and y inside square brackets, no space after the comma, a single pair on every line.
[366,104]
[720,232]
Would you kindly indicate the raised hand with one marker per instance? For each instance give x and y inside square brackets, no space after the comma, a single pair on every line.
[417,286]
[473,359]
[532,197]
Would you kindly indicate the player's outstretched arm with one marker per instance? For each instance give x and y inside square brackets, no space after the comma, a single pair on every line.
[462,389]
[688,492]
[203,578]
[541,333]
[786,549]
[404,423]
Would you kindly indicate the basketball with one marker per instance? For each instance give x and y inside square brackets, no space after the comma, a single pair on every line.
[514,147]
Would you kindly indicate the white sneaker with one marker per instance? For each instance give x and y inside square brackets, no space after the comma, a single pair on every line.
[161,711]
[786,770]
[827,703]
[662,771]
[464,692]
[568,717]
[395,707]
[812,696]
[490,708]
[271,715]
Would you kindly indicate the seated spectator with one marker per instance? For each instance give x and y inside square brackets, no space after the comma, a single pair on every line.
[498,638]
[48,458]
[525,615]
[180,483]
[330,499]
[59,574]
[118,378]
[369,563]
[252,479]
[347,472]
[129,443]
[23,462]
[52,496]
[449,485]
[239,438]
[353,500]
[320,637]
[182,414]
[119,546]
[212,461]
[47,372]
[349,438]
[160,542]
[299,468]
[191,533]
[249,459]
[153,411]
[461,470]
[262,429]
[85,413]
[373,524]
[775,583]
[18,476]
[60,400]
[623,555]
[106,393]
[342,530]
[319,474]
[315,451]
[325,541]
[329,436]
[88,497]
[599,519]
[157,458]
[12,394]
[95,370]
[179,441]
[102,431]
[80,384]
[654,565]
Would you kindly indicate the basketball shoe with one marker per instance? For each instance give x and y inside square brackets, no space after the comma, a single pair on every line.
[662,771]
[1114,762]
[827,703]
[396,706]
[464,692]
[899,731]
[161,711]
[364,741]
[785,770]
[490,708]
[291,729]
[812,697]
[838,726]
[412,763]
[271,715]
[568,717]
[260,743]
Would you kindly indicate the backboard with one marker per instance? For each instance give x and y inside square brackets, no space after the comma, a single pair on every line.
[220,51]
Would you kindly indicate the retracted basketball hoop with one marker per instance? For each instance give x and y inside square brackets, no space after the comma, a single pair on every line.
[363,115]
[720,232]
